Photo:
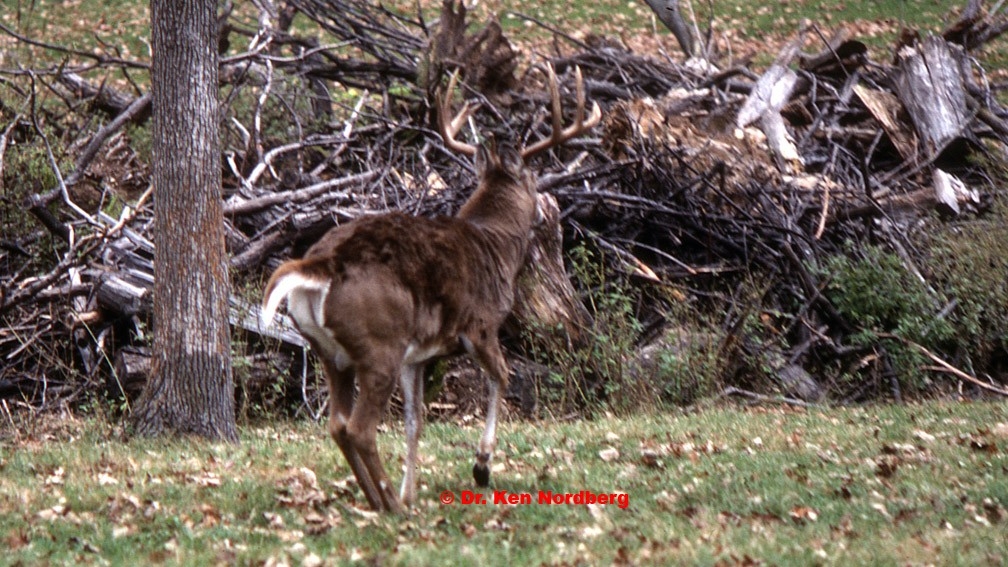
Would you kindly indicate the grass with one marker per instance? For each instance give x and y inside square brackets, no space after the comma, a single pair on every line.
[117,28]
[881,485]
[123,24]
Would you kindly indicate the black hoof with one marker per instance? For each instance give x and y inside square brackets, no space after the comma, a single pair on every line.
[481,474]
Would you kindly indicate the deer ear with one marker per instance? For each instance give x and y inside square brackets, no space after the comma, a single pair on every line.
[483,158]
[510,160]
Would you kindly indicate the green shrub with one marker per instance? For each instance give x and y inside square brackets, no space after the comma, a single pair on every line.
[599,369]
[874,290]
[687,374]
[969,264]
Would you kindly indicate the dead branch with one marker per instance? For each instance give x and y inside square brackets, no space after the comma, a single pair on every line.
[945,366]
[764,399]
[685,202]
[248,206]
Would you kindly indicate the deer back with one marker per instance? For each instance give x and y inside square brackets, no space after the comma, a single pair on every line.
[458,269]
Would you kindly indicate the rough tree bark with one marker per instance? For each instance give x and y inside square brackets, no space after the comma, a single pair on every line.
[190,390]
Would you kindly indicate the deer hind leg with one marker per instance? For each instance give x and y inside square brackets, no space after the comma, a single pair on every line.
[376,387]
[341,403]
[411,382]
[491,358]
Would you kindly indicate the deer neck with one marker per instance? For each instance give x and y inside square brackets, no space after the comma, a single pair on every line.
[507,226]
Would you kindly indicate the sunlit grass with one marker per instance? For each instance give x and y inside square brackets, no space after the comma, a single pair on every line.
[922,483]
[121,28]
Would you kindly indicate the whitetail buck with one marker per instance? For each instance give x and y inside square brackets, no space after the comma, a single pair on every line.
[379,297]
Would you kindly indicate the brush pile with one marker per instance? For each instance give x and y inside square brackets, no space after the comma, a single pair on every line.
[722,193]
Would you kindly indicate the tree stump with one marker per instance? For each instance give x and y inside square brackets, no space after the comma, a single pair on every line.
[547,314]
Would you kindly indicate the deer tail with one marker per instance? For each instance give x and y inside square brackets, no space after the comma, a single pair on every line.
[289,277]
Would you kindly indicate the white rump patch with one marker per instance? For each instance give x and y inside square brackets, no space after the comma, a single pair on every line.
[306,298]
[297,282]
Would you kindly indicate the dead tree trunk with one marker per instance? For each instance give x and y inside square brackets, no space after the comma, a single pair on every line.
[546,305]
[669,12]
[931,86]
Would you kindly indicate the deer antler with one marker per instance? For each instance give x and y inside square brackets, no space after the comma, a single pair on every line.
[581,124]
[449,128]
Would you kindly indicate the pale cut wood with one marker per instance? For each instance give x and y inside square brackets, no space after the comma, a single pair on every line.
[952,193]
[885,107]
[931,86]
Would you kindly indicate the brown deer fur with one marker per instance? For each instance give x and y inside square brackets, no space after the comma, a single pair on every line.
[379,297]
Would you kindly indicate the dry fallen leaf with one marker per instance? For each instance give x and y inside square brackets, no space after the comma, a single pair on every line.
[52,513]
[609,454]
[55,478]
[211,517]
[1000,430]
[803,514]
[885,466]
[208,478]
[275,520]
[650,459]
[881,509]
[105,479]
[299,488]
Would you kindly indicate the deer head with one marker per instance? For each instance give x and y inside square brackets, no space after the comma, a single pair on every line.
[381,296]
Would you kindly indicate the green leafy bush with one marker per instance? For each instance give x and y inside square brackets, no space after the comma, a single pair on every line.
[874,290]
[969,264]
[600,367]
[687,374]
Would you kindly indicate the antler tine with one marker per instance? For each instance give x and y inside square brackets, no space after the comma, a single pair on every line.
[580,125]
[449,128]
[556,111]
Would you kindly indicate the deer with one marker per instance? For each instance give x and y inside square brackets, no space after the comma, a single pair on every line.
[381,296]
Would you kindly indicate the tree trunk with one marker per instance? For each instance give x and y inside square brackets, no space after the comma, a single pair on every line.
[190,390]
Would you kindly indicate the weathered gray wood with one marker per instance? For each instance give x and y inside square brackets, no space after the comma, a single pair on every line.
[122,297]
[930,84]
[772,91]
[105,98]
[132,367]
[239,206]
[770,94]
[546,305]
[245,315]
[669,13]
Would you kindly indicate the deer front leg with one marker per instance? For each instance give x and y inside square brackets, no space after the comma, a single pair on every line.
[492,359]
[411,382]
